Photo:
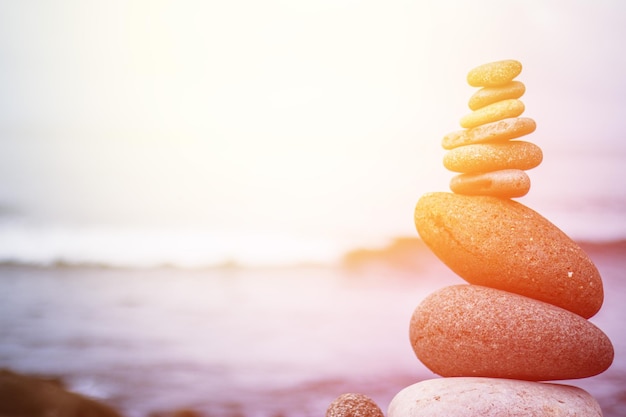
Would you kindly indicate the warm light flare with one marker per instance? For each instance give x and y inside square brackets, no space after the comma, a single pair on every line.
[319,119]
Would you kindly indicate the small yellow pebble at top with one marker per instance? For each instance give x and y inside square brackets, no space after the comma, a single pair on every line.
[494,74]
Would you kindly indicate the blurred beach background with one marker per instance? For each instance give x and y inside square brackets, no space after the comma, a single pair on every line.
[210,204]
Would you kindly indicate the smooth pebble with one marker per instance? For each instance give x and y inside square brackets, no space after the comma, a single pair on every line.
[508,183]
[498,131]
[503,244]
[493,112]
[491,397]
[471,330]
[494,74]
[488,95]
[485,157]
[353,405]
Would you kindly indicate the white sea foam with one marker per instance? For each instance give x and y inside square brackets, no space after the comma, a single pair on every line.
[597,216]
[46,245]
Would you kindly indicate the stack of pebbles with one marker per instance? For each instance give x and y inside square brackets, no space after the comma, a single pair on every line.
[523,318]
[490,162]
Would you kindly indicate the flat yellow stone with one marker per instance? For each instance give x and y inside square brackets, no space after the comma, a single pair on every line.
[494,74]
[493,112]
[488,95]
[487,157]
[499,131]
[506,183]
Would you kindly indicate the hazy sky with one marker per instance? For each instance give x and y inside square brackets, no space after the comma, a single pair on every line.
[312,117]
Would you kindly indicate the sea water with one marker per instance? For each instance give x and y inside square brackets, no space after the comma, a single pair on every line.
[243,341]
[151,320]
[253,340]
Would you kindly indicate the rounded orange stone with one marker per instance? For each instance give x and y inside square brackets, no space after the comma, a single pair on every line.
[471,330]
[503,244]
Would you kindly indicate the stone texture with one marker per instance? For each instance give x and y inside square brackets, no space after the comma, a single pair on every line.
[353,405]
[488,95]
[489,397]
[485,157]
[492,113]
[508,183]
[494,74]
[471,330]
[503,244]
[499,131]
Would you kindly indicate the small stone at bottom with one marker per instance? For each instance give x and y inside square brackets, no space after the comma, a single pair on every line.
[353,405]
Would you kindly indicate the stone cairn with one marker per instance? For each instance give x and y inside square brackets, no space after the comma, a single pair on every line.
[522,320]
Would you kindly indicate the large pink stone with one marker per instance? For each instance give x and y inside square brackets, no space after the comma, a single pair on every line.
[470,330]
[490,397]
[503,244]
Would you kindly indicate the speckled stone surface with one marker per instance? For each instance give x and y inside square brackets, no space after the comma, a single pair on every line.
[499,131]
[494,74]
[489,397]
[507,183]
[353,405]
[488,95]
[471,330]
[503,244]
[485,157]
[493,112]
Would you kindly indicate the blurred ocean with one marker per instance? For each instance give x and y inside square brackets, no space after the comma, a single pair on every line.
[22,242]
[577,190]
[236,118]
[252,342]
[151,320]
[235,341]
